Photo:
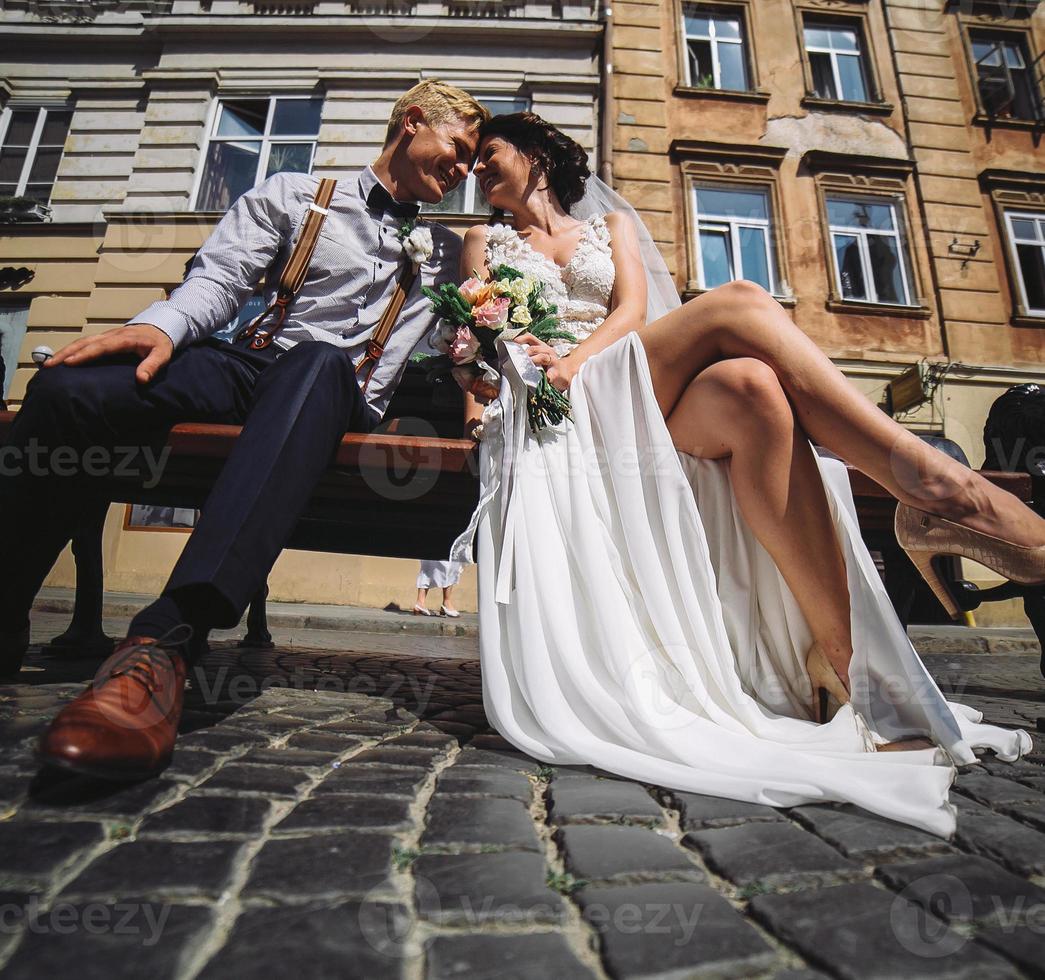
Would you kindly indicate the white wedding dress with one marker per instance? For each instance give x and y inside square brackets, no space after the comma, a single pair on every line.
[629,619]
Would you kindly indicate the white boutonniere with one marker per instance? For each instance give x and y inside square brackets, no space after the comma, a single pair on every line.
[417,241]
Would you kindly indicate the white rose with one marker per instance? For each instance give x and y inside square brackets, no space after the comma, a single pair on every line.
[418,245]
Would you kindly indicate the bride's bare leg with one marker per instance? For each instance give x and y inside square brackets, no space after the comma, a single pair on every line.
[742,320]
[736,409]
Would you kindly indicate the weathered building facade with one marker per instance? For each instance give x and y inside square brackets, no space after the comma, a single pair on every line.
[136,122]
[876,165]
[847,156]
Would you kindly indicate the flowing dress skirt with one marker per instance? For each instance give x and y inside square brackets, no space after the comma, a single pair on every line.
[629,620]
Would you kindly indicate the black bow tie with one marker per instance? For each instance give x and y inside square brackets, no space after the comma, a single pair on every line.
[380,200]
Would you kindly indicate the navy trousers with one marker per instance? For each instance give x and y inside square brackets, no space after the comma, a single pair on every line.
[294,409]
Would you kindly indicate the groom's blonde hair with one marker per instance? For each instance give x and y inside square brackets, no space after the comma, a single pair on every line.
[441,103]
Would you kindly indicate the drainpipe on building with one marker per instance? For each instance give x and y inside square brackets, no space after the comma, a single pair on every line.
[606,98]
[887,13]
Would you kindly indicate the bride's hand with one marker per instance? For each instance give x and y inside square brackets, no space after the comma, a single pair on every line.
[545,357]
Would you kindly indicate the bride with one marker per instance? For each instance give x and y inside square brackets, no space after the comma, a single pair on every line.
[673,587]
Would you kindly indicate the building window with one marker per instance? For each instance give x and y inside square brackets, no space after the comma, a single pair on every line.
[252,139]
[13,321]
[466,197]
[1008,83]
[31,144]
[715,49]
[837,62]
[1027,241]
[869,250]
[733,236]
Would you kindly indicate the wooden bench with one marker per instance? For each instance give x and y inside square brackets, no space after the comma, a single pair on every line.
[402,495]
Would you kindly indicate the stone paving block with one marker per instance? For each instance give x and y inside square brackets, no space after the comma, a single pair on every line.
[274,724]
[1022,944]
[348,864]
[470,889]
[484,782]
[96,796]
[353,727]
[244,815]
[962,887]
[158,867]
[154,940]
[353,940]
[496,742]
[419,758]
[189,764]
[1032,814]
[1000,838]
[266,780]
[586,800]
[335,812]
[672,929]
[535,956]
[496,758]
[224,741]
[433,741]
[859,834]
[372,781]
[769,854]
[698,811]
[333,745]
[32,848]
[294,758]
[466,820]
[600,852]
[860,932]
[994,790]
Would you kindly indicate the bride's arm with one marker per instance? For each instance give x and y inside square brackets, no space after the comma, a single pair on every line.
[473,258]
[627,304]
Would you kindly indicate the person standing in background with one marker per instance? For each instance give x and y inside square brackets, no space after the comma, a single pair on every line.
[437,575]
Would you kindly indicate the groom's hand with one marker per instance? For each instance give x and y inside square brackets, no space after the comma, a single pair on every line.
[150,343]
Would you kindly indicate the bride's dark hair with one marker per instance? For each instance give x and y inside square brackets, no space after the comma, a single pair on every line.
[561,159]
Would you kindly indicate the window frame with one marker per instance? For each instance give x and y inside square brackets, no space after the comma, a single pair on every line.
[1025,39]
[1008,212]
[742,10]
[734,225]
[42,109]
[716,69]
[900,234]
[214,120]
[739,167]
[854,20]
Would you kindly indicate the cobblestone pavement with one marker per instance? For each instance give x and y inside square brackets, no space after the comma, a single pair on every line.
[351,814]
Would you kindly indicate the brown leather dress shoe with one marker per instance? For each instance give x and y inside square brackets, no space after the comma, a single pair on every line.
[124,725]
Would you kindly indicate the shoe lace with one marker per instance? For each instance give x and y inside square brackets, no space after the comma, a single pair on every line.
[141,660]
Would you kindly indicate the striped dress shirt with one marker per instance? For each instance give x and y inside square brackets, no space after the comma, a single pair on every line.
[353,273]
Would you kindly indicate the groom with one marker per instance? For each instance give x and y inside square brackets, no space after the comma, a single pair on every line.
[295,399]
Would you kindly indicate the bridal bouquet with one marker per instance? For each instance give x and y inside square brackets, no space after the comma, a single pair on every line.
[474,316]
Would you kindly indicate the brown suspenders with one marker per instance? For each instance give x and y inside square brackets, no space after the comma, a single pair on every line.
[375,346]
[294,276]
[295,270]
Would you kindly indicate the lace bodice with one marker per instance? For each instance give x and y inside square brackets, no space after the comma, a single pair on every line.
[580,290]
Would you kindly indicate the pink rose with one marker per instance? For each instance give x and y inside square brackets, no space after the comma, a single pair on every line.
[493,313]
[464,346]
[470,290]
